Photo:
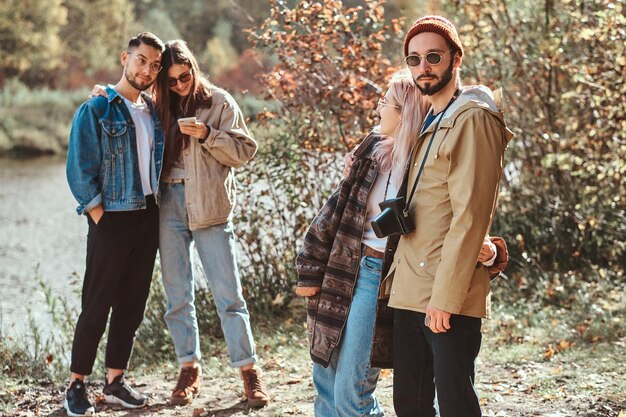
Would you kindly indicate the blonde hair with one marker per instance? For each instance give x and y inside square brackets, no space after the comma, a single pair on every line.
[392,152]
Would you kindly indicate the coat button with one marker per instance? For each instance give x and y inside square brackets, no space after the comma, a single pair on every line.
[422,264]
[393,292]
[338,298]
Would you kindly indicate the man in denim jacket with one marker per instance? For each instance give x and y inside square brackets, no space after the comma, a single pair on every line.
[113,169]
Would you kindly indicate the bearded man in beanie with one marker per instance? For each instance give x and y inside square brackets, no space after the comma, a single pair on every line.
[438,291]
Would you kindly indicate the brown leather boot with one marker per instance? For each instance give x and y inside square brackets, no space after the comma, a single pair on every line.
[254,387]
[187,385]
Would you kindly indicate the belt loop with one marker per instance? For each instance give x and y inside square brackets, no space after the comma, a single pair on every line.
[150,200]
[367,251]
[175,181]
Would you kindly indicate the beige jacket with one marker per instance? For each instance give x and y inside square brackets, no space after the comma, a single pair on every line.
[209,166]
[453,208]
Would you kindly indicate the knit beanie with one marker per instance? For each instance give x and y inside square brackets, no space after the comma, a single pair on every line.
[436,24]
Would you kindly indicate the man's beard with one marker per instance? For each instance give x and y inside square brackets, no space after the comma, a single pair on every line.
[132,80]
[429,89]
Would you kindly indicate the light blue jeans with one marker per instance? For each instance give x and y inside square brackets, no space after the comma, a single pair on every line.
[217,248]
[346,387]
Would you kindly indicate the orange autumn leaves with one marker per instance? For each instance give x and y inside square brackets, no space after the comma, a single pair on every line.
[330,68]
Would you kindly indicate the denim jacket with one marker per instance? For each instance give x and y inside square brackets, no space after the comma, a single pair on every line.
[102,163]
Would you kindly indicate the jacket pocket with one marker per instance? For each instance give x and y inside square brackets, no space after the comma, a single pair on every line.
[373,266]
[116,135]
[425,264]
[311,315]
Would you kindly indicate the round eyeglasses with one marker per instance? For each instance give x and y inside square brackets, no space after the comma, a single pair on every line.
[432,58]
[142,61]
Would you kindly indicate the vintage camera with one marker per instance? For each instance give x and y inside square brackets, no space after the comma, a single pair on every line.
[393,218]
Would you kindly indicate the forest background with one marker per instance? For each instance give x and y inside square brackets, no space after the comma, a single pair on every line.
[307,76]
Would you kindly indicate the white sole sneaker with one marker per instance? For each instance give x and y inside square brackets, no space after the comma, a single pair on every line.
[90,411]
[112,399]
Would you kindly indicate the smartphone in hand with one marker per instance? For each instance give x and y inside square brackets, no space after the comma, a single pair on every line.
[187,121]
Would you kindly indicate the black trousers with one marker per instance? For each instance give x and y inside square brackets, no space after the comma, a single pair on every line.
[121,250]
[423,360]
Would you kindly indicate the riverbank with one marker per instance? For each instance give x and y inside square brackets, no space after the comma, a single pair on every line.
[515,379]
[36,121]
[43,241]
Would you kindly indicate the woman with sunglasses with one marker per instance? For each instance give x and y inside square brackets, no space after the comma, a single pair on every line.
[342,261]
[205,139]
[197,199]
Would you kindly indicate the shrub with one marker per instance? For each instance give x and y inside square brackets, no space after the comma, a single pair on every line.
[331,68]
[282,190]
[562,203]
[36,121]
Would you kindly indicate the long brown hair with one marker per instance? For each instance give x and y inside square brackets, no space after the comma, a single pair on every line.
[393,151]
[170,106]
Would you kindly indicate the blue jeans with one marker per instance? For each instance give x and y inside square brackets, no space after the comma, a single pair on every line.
[216,248]
[346,387]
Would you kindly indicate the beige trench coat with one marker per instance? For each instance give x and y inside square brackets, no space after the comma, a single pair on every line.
[453,208]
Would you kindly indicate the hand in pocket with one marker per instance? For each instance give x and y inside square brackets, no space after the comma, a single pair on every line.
[96,213]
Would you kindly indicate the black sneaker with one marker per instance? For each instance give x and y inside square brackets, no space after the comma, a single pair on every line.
[119,392]
[76,400]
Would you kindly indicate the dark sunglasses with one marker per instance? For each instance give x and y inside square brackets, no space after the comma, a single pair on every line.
[432,58]
[183,78]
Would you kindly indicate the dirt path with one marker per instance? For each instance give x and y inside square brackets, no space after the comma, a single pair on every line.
[564,387]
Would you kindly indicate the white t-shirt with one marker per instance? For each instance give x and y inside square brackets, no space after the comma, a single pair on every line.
[144,133]
[377,195]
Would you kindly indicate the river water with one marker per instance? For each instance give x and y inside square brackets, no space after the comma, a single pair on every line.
[42,239]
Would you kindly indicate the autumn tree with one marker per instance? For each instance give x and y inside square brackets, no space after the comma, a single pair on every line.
[330,69]
[96,33]
[329,72]
[30,42]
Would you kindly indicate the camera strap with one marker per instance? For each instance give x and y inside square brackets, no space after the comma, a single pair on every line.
[387,186]
[405,212]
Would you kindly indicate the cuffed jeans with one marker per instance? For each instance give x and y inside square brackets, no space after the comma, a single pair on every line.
[121,250]
[423,359]
[346,387]
[216,248]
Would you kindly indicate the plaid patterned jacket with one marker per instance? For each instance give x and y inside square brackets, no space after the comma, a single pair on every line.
[330,258]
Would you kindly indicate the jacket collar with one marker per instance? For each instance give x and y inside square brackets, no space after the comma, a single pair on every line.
[478,96]
[113,95]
